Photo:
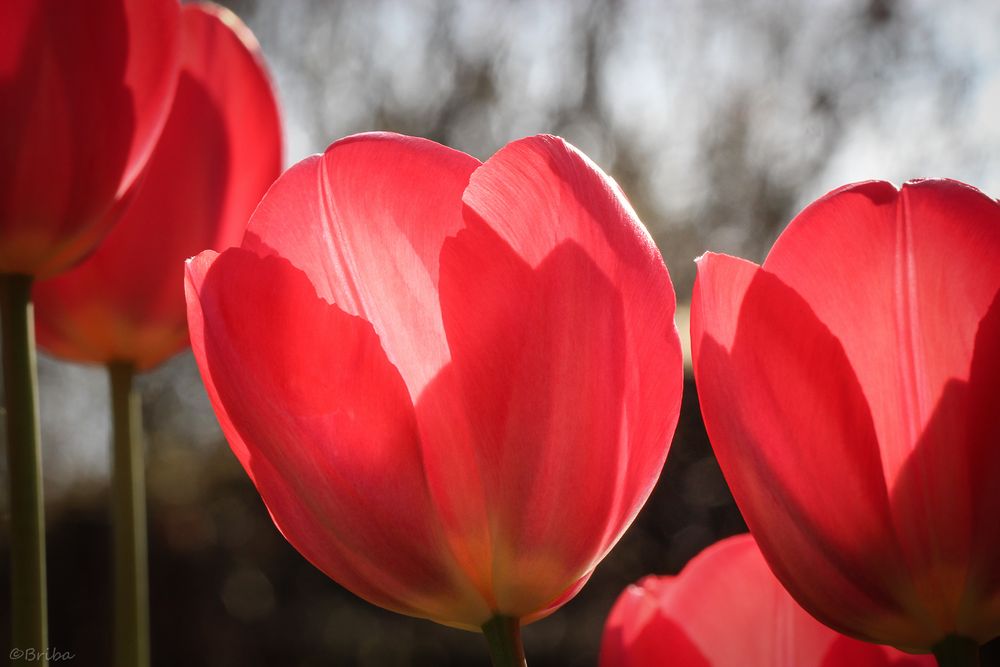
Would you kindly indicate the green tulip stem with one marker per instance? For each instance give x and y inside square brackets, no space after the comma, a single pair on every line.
[957,651]
[128,499]
[503,634]
[24,468]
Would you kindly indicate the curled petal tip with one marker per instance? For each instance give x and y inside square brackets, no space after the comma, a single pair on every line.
[709,256]
[199,263]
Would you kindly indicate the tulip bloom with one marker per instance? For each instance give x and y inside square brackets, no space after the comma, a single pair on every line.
[850,388]
[726,609]
[85,86]
[219,152]
[454,384]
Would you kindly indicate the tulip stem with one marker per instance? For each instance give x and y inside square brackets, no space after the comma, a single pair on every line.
[503,634]
[29,612]
[128,498]
[955,651]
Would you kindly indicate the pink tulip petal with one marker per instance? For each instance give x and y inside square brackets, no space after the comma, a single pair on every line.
[366,221]
[551,254]
[781,437]
[847,652]
[84,91]
[126,301]
[324,426]
[220,50]
[638,634]
[881,269]
[726,609]
[867,255]
[979,611]
[522,387]
[541,194]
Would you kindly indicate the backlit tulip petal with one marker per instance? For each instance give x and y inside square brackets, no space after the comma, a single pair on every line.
[543,196]
[983,466]
[726,609]
[324,426]
[849,387]
[460,411]
[219,152]
[85,87]
[366,221]
[541,276]
[781,348]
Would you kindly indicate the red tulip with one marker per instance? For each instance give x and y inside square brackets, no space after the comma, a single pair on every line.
[220,150]
[453,383]
[726,609]
[85,86]
[851,387]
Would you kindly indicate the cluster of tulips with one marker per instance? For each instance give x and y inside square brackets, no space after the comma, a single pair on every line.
[454,383]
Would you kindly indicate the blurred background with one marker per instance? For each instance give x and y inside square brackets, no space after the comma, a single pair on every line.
[720,119]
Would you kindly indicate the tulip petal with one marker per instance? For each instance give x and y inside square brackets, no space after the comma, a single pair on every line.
[551,254]
[323,424]
[979,611]
[878,266]
[847,651]
[727,590]
[84,91]
[638,634]
[532,401]
[726,609]
[538,194]
[781,436]
[125,302]
[541,195]
[220,51]
[879,269]
[368,235]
